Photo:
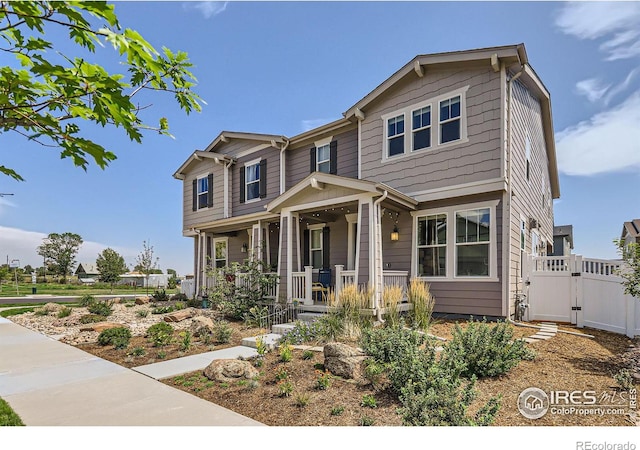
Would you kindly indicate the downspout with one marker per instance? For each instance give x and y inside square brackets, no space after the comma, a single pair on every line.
[283,166]
[198,272]
[509,168]
[226,190]
[378,247]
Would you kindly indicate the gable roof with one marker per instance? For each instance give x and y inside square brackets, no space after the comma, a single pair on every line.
[88,268]
[632,228]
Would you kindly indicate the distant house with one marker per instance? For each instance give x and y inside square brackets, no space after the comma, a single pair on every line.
[631,232]
[155,280]
[87,270]
[562,240]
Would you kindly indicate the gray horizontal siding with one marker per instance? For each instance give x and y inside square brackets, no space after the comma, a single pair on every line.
[192,218]
[272,156]
[476,160]
[298,159]
[237,146]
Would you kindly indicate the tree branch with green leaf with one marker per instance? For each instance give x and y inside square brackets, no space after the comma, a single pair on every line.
[48,101]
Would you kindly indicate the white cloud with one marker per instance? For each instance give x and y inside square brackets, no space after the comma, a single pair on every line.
[622,86]
[310,124]
[607,142]
[592,89]
[208,9]
[4,204]
[593,20]
[22,245]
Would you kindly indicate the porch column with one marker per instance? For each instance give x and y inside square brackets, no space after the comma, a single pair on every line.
[362,244]
[339,269]
[308,285]
[284,272]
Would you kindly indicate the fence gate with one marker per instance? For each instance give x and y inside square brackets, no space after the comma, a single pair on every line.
[581,291]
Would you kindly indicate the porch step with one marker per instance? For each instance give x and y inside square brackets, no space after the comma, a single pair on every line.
[313,308]
[271,339]
[283,328]
[309,316]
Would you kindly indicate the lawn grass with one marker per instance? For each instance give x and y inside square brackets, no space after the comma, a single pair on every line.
[8,417]
[9,290]
[16,311]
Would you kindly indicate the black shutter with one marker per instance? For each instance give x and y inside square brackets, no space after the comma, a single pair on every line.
[326,257]
[333,152]
[312,160]
[242,184]
[194,195]
[210,190]
[263,178]
[305,253]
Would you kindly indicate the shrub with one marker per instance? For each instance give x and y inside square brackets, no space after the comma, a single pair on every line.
[44,311]
[64,312]
[374,372]
[162,310]
[307,354]
[185,342]
[193,302]
[261,347]
[303,332]
[137,351]
[119,337]
[422,300]
[160,334]
[101,308]
[281,374]
[323,381]
[222,331]
[366,421]
[388,345]
[92,318]
[256,316]
[285,388]
[87,300]
[624,379]
[337,410]
[369,401]
[180,297]
[484,350]
[286,353]
[160,296]
[302,400]
[391,297]
[162,354]
[178,306]
[142,313]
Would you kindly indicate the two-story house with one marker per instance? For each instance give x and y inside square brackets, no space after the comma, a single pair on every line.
[446,171]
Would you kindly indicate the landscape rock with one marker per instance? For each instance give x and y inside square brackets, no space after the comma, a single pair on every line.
[344,361]
[230,370]
[101,326]
[179,316]
[142,300]
[201,325]
[53,307]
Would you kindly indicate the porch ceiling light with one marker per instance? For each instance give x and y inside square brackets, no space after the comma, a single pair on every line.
[395,235]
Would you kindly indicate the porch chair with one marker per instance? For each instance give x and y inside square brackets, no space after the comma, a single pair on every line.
[321,287]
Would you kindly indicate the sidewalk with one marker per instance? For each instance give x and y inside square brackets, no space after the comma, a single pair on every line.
[48,383]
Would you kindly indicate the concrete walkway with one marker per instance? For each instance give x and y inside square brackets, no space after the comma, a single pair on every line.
[49,383]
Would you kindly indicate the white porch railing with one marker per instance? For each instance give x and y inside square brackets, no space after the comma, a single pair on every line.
[243,280]
[301,285]
[395,278]
[600,267]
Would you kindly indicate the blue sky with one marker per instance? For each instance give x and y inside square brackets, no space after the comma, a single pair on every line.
[284,67]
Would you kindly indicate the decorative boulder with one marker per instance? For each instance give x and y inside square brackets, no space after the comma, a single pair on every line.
[142,300]
[101,326]
[53,307]
[230,370]
[179,316]
[344,361]
[201,325]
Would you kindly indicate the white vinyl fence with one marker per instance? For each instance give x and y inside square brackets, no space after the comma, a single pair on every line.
[188,288]
[583,291]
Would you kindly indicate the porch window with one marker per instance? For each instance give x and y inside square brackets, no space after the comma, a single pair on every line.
[473,242]
[252,177]
[220,256]
[315,248]
[432,246]
[450,119]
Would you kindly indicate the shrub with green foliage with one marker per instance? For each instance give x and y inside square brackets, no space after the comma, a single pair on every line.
[388,345]
[222,331]
[101,308]
[303,332]
[160,296]
[483,350]
[92,318]
[624,379]
[286,353]
[87,300]
[64,312]
[180,297]
[162,310]
[8,417]
[160,334]
[119,337]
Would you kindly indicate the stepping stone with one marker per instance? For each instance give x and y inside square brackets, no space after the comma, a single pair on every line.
[271,340]
[550,324]
[549,330]
[546,333]
[283,328]
[541,337]
[529,340]
[317,349]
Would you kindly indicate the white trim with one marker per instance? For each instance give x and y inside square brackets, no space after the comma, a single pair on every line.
[253,162]
[296,220]
[209,190]
[225,192]
[324,161]
[316,226]
[356,262]
[328,202]
[323,141]
[451,211]
[312,228]
[506,252]
[289,255]
[251,150]
[460,190]
[359,149]
[372,248]
[214,241]
[407,113]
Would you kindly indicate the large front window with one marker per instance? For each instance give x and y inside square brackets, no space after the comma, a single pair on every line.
[473,242]
[432,246]
[252,180]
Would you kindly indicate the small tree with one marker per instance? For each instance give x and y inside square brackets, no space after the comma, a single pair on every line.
[145,262]
[111,265]
[59,252]
[630,254]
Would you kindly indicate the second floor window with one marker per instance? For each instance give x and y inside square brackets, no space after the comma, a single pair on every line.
[395,136]
[252,177]
[323,159]
[203,192]
[421,128]
[450,119]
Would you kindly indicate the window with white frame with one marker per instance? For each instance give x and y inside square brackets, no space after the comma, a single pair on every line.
[395,135]
[432,245]
[535,243]
[323,159]
[450,111]
[421,128]
[252,181]
[315,248]
[220,253]
[202,185]
[473,242]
